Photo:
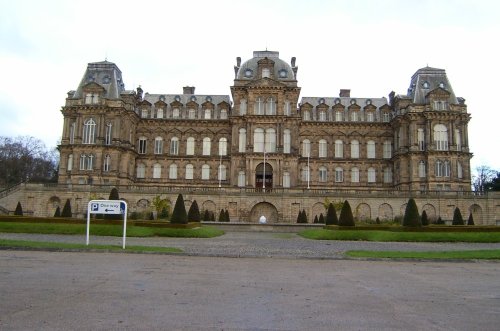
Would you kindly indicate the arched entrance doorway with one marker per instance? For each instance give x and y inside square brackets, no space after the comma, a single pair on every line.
[263,209]
[264,175]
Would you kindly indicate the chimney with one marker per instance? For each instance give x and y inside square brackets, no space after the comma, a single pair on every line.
[188,90]
[345,93]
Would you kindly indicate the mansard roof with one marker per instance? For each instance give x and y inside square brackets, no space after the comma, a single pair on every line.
[425,80]
[344,101]
[186,98]
[105,74]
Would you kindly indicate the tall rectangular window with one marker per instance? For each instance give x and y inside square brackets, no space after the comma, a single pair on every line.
[370,149]
[158,145]
[287,140]
[421,139]
[387,149]
[142,145]
[339,149]
[107,134]
[242,140]
[72,133]
[174,146]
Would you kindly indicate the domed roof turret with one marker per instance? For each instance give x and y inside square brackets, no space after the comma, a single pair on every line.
[266,64]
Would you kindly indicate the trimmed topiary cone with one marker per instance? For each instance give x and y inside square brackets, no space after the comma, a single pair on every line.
[66,212]
[194,213]
[316,220]
[346,218]
[411,217]
[179,215]
[321,219]
[425,219]
[57,213]
[19,209]
[470,221]
[331,215]
[457,217]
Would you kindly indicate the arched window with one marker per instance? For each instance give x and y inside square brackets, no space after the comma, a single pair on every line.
[205,172]
[89,131]
[174,146]
[339,175]
[243,107]
[258,108]
[306,115]
[159,113]
[158,145]
[421,139]
[207,114]
[83,162]
[270,140]
[458,140]
[306,148]
[441,137]
[190,146]
[459,170]
[107,163]
[387,175]
[157,171]
[439,169]
[172,173]
[354,149]
[370,149]
[258,140]
[241,179]
[72,133]
[323,174]
[270,106]
[176,113]
[70,163]
[142,145]
[323,147]
[141,170]
[354,175]
[221,173]
[206,146]
[242,140]
[107,135]
[287,140]
[387,149]
[421,169]
[446,169]
[371,175]
[339,148]
[322,116]
[286,179]
[223,146]
[339,116]
[191,114]
[287,108]
[189,171]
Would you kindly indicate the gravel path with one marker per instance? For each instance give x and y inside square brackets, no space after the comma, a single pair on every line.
[257,244]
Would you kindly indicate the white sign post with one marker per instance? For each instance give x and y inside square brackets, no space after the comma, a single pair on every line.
[115,207]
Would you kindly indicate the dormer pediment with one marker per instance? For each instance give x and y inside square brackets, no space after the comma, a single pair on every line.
[438,93]
[93,87]
[266,82]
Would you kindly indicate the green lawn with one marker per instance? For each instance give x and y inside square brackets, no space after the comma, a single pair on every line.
[461,255]
[63,246]
[108,230]
[374,235]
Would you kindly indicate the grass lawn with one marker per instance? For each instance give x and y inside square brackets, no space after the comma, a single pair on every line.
[374,235]
[62,246]
[461,255]
[108,230]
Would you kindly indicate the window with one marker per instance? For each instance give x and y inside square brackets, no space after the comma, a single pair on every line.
[258,108]
[322,116]
[387,175]
[306,115]
[386,117]
[207,114]
[458,140]
[172,173]
[306,148]
[322,148]
[354,175]
[421,169]
[370,117]
[270,106]
[174,146]
[159,113]
[339,116]
[221,173]
[370,149]
[144,113]
[142,145]
[354,116]
[266,73]
[421,139]
[354,149]
[270,141]
[70,163]
[89,131]
[223,146]
[91,98]
[241,179]
[175,113]
[439,169]
[242,140]
[190,146]
[191,114]
[223,114]
[258,140]
[206,146]
[156,171]
[287,139]
[441,137]
[305,174]
[205,172]
[287,108]
[86,162]
[371,175]
[107,163]
[387,149]
[189,171]
[339,175]
[141,171]
[323,174]
[286,179]
[339,149]
[107,134]
[158,145]
[459,170]
[446,168]
[243,107]
[72,133]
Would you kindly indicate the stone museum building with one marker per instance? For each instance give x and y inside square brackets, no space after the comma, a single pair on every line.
[265,149]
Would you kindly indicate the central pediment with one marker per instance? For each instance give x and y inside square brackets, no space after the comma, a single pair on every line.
[265,82]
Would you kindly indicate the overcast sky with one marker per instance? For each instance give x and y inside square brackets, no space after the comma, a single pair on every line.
[370,47]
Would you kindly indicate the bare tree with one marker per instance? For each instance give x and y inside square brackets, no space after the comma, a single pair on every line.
[483,176]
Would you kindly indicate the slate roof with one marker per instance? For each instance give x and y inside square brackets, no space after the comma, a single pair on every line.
[106,74]
[345,101]
[427,79]
[279,64]
[186,98]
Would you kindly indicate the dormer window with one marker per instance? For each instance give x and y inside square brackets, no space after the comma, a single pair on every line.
[266,73]
[223,114]
[283,73]
[175,113]
[248,73]
[144,113]
[426,85]
[441,85]
[91,98]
